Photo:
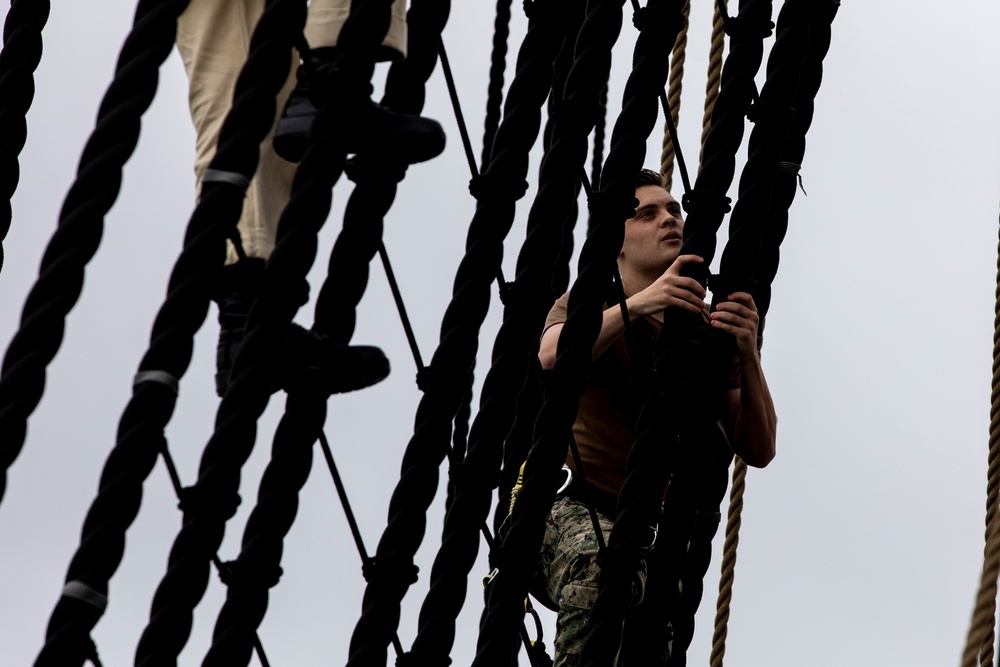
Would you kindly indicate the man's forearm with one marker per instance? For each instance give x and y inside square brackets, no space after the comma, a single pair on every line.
[755,427]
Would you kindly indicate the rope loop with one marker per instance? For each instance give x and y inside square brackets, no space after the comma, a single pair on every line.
[741,27]
[361,170]
[773,115]
[705,202]
[234,573]
[197,499]
[488,188]
[611,207]
[394,571]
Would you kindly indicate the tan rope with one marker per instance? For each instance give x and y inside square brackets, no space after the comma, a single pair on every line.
[714,74]
[981,631]
[728,563]
[677,59]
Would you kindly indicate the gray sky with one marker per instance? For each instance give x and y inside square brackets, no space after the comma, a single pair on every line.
[861,542]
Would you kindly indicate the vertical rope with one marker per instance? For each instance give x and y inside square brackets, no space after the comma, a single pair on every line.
[675,82]
[981,632]
[733,522]
[714,74]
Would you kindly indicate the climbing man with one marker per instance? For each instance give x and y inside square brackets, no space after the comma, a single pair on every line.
[213,39]
[604,430]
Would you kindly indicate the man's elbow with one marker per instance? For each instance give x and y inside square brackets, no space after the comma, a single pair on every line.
[760,456]
[547,357]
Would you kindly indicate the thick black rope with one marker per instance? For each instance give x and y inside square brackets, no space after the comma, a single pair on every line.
[497,190]
[81,221]
[650,68]
[22,51]
[214,497]
[772,115]
[498,63]
[699,490]
[335,315]
[562,67]
[257,569]
[519,440]
[792,152]
[183,313]
[746,228]
[517,559]
[524,312]
[685,368]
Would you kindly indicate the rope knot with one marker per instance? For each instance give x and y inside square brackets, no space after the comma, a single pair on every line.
[488,188]
[606,206]
[198,499]
[705,202]
[390,570]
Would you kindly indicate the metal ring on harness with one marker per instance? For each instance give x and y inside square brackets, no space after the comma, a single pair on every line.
[565,484]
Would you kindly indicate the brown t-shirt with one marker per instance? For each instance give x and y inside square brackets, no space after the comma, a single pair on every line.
[605,425]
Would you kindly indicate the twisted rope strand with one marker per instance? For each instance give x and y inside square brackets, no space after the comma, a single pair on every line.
[215,495]
[182,314]
[22,51]
[979,643]
[598,33]
[714,73]
[497,190]
[733,523]
[81,221]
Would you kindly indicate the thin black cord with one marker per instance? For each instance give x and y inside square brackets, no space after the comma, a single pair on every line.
[456,105]
[400,306]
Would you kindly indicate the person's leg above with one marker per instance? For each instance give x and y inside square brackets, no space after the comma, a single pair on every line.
[213,39]
[375,130]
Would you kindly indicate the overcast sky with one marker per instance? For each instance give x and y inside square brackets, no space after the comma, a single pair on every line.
[861,542]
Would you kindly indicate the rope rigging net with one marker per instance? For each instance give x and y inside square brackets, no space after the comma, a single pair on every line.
[564,62]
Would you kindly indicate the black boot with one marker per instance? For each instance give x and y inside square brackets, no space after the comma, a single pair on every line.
[308,360]
[371,129]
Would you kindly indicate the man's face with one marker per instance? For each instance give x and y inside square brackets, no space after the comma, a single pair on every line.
[653,237]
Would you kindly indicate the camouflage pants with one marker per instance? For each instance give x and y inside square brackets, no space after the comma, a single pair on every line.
[568,569]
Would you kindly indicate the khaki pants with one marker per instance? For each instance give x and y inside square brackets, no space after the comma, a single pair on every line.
[213,38]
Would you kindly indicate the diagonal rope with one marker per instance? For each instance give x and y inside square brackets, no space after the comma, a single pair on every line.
[674,86]
[979,644]
[22,51]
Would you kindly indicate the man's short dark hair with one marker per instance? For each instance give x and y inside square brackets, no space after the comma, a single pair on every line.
[649,177]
